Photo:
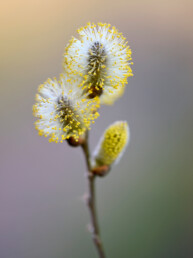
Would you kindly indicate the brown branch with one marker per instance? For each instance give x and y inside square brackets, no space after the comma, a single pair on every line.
[91,201]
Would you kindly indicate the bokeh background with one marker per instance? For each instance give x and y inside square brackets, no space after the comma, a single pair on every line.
[145,203]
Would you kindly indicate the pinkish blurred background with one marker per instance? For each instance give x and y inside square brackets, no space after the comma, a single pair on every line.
[145,203]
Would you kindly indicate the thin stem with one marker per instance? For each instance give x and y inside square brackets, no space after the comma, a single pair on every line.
[92,201]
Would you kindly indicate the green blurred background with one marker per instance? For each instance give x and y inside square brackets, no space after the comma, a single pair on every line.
[145,204]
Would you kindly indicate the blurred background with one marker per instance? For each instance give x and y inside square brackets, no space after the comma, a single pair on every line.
[145,203]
